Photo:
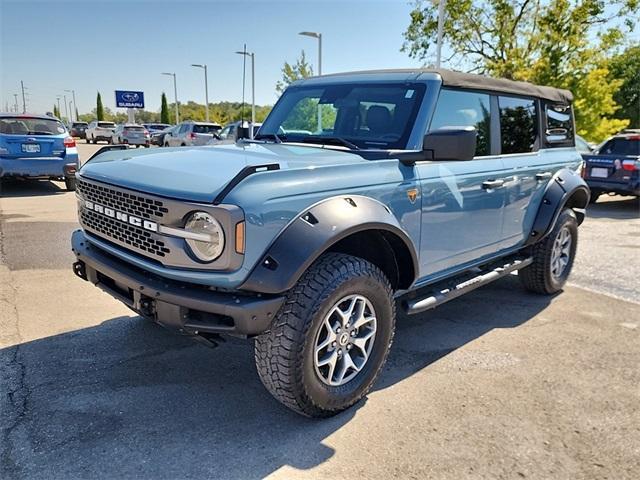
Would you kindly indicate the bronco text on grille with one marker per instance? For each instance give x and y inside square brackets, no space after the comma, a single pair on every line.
[122,217]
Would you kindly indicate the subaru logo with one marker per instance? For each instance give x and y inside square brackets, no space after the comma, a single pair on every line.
[130,97]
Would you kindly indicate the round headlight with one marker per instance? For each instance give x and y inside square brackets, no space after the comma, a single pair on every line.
[208,242]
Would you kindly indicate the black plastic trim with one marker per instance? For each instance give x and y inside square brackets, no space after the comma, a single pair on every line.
[240,176]
[302,242]
[107,148]
[565,185]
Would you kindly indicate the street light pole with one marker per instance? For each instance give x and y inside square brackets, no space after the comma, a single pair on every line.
[317,35]
[175,93]
[441,4]
[206,88]
[75,105]
[253,89]
[58,99]
[65,108]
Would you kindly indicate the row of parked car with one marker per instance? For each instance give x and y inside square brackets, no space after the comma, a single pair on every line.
[184,134]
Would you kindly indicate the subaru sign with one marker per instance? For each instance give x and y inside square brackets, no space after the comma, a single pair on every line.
[126,99]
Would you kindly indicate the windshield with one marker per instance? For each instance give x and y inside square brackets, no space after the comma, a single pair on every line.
[375,116]
[31,126]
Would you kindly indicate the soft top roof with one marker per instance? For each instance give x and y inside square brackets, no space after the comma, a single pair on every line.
[481,82]
[453,79]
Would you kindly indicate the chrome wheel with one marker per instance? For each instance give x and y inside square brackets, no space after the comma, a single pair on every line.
[344,340]
[561,252]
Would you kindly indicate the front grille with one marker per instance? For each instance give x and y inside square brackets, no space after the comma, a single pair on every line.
[130,203]
[123,232]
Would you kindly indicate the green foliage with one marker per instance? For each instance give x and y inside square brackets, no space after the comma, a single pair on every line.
[99,108]
[291,73]
[626,67]
[164,109]
[565,43]
[56,113]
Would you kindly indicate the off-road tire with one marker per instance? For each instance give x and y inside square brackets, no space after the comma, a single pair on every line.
[537,277]
[70,183]
[284,354]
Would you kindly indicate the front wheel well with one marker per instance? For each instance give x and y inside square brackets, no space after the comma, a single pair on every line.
[385,250]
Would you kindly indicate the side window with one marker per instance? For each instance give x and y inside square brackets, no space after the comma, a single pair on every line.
[464,109]
[559,128]
[183,128]
[518,124]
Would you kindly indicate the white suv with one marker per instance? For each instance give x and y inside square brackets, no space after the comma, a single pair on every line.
[191,134]
[99,130]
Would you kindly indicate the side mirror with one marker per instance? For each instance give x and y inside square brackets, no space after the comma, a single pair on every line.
[453,143]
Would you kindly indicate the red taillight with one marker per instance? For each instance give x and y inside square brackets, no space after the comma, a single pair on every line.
[630,165]
[192,136]
[146,133]
[69,142]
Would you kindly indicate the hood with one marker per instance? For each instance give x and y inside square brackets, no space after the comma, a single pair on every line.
[198,174]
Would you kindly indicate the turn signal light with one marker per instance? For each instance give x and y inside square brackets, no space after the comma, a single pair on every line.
[69,142]
[240,238]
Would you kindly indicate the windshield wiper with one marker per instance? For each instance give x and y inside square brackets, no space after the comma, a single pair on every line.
[273,136]
[329,140]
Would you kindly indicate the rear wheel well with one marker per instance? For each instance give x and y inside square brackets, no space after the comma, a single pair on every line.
[578,201]
[385,250]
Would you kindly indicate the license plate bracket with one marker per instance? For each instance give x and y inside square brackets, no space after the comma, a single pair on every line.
[598,172]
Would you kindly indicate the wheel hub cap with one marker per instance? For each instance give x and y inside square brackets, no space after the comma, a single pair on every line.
[344,340]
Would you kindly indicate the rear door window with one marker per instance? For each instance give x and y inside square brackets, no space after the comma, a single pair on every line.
[518,124]
[457,108]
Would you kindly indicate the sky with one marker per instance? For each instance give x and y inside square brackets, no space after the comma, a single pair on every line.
[103,46]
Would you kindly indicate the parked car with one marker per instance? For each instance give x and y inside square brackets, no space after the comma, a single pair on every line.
[131,134]
[189,134]
[155,127]
[229,132]
[158,137]
[78,129]
[99,131]
[614,167]
[37,147]
[417,185]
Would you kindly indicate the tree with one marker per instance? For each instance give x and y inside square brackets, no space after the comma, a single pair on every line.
[291,73]
[56,113]
[626,67]
[99,108]
[565,43]
[164,109]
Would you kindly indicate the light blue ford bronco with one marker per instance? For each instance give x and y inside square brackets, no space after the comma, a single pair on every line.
[361,193]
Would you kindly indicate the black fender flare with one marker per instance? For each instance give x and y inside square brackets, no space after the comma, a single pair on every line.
[565,189]
[313,232]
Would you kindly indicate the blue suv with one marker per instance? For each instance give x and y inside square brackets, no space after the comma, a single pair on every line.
[37,147]
[362,193]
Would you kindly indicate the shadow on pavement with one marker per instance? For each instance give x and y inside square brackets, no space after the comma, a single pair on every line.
[30,188]
[626,208]
[129,399]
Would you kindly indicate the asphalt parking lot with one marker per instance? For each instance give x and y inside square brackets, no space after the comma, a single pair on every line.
[499,383]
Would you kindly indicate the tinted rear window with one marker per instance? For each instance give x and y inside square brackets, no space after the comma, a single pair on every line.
[31,126]
[206,128]
[518,124]
[79,124]
[106,124]
[621,146]
[134,129]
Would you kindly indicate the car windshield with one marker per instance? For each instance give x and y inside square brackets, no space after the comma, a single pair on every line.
[206,128]
[106,124]
[31,126]
[622,146]
[369,116]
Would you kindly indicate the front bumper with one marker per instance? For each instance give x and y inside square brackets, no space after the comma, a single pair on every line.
[188,308]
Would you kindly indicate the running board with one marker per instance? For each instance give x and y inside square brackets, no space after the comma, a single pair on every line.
[452,290]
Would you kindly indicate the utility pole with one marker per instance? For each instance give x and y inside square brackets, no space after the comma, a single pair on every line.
[24,103]
[75,105]
[58,99]
[66,111]
[15,95]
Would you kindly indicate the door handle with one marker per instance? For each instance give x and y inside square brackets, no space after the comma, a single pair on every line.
[491,184]
[543,176]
